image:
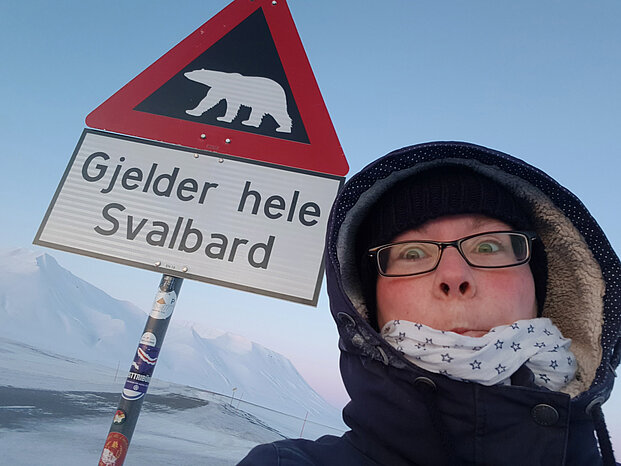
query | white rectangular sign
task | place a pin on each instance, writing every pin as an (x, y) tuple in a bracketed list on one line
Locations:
[(193, 214)]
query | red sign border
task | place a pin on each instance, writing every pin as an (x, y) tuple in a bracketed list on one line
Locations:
[(323, 154)]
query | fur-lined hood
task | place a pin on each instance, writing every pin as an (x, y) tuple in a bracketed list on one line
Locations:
[(583, 295)]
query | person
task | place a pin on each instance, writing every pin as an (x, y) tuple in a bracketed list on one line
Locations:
[(477, 303)]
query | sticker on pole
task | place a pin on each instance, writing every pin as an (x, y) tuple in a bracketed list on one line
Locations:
[(139, 376), (119, 417), (148, 339), (193, 214), (114, 450), (164, 305)]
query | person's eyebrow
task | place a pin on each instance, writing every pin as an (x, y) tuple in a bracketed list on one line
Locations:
[(475, 220), (478, 221)]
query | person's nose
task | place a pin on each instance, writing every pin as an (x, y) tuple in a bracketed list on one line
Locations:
[(453, 276)]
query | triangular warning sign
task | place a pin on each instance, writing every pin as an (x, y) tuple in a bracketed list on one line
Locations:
[(239, 85)]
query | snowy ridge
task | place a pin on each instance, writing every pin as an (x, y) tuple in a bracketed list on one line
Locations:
[(47, 307)]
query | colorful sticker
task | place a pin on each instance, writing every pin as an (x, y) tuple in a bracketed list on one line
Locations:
[(114, 450), (130, 394), (139, 375), (148, 339), (163, 305), (119, 417)]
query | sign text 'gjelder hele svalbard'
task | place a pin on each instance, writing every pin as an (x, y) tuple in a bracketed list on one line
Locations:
[(198, 215)]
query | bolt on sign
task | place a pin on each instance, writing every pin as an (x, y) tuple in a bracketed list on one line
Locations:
[(217, 163)]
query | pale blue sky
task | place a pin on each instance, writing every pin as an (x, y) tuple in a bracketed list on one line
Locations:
[(537, 79)]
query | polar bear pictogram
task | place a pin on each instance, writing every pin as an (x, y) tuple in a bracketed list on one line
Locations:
[(263, 95)]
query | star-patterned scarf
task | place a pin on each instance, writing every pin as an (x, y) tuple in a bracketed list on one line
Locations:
[(492, 358)]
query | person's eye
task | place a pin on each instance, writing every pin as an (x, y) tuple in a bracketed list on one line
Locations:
[(487, 247), (413, 253)]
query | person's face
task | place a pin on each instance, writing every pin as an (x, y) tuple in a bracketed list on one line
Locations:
[(455, 296)]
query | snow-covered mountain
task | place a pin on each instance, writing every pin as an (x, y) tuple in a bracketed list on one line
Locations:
[(47, 307)]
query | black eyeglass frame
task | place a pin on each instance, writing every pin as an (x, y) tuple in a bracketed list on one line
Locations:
[(529, 235)]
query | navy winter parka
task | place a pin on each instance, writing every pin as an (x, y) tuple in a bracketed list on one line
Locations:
[(400, 414)]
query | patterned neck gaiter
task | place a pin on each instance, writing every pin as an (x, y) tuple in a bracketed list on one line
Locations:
[(492, 358)]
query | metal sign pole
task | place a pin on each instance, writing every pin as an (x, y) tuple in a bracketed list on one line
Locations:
[(140, 372)]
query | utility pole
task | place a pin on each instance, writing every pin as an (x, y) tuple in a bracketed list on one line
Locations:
[(140, 372)]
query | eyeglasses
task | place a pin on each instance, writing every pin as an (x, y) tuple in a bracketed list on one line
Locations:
[(490, 250)]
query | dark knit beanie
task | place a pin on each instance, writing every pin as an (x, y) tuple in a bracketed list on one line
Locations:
[(436, 193)]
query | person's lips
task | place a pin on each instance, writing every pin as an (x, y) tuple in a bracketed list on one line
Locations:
[(469, 332)]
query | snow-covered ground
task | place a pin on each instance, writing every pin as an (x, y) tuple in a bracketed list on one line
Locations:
[(65, 349), (56, 410), (47, 307)]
